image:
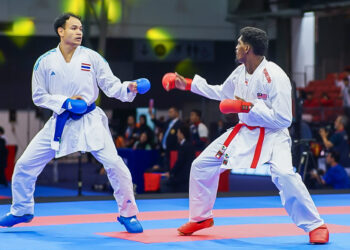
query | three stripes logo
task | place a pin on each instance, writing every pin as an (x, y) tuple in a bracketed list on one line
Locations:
[(85, 66)]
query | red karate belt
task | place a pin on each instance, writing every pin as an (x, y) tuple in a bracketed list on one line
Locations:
[(232, 135)]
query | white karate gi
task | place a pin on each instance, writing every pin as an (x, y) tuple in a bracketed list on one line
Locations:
[(54, 80), (269, 89)]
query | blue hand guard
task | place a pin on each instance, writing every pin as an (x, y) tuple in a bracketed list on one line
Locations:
[(143, 85), (75, 106)]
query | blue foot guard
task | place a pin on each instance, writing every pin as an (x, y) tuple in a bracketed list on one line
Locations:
[(131, 224), (10, 220)]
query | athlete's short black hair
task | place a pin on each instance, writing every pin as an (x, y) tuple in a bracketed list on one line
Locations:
[(60, 21), (256, 38)]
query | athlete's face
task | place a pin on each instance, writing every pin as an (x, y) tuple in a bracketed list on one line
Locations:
[(241, 50), (72, 33)]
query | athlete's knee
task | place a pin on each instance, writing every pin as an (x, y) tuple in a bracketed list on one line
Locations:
[(113, 161), (21, 165), (283, 177), (197, 163), (116, 166)]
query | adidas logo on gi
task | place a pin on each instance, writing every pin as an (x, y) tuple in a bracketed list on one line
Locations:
[(69, 105)]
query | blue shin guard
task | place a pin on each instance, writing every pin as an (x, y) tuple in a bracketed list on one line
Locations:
[(10, 220), (131, 224)]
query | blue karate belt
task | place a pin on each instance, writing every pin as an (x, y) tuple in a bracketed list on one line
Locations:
[(64, 117)]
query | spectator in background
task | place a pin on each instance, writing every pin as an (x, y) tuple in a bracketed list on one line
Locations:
[(161, 165), (345, 89), (339, 77), (338, 141), (345, 94), (199, 132), (336, 176), (178, 177), (144, 128), (325, 100), (221, 128), (217, 129), (310, 101), (143, 143), (3, 158), (169, 128), (130, 135)]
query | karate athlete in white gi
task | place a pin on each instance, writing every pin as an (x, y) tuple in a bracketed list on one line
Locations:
[(63, 78), (262, 93)]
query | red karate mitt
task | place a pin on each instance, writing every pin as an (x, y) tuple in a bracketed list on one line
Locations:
[(168, 82), (235, 106)]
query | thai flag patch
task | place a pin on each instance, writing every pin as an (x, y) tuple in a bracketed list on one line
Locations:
[(85, 66), (261, 96)]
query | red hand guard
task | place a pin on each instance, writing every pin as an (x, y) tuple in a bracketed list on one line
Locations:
[(235, 106), (168, 82)]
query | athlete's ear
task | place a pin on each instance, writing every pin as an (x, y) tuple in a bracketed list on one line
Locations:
[(247, 48), (60, 31)]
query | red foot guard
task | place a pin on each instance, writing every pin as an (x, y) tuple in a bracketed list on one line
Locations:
[(190, 227), (319, 235)]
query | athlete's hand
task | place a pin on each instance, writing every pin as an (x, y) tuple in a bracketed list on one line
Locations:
[(238, 98), (228, 106), (180, 82), (132, 87), (77, 97), (174, 80)]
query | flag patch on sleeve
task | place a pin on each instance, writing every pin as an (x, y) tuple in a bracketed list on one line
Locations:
[(85, 66), (261, 96)]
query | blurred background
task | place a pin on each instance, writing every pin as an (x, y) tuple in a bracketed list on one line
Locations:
[(308, 39)]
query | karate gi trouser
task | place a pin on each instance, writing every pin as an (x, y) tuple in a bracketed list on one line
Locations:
[(204, 179), (39, 153)]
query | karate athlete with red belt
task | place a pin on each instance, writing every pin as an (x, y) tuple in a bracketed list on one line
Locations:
[(260, 92)]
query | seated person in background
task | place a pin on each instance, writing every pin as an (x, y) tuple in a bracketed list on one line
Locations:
[(338, 141), (144, 128), (130, 135), (178, 177), (199, 132), (143, 142), (335, 176), (325, 101), (310, 101)]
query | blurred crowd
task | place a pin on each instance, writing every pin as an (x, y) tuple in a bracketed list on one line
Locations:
[(187, 137), (324, 129)]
